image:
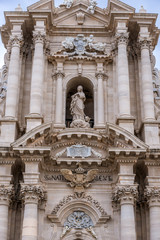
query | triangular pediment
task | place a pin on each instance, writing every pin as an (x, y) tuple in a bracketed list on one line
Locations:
[(41, 5), (69, 17), (118, 6)]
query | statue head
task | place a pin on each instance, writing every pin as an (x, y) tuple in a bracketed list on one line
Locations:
[(80, 88)]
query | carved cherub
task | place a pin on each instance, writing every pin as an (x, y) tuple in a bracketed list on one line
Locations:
[(79, 180)]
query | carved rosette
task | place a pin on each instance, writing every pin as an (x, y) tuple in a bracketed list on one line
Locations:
[(122, 38), (152, 195), (33, 194), (39, 37), (6, 193), (16, 41), (145, 43), (125, 194)]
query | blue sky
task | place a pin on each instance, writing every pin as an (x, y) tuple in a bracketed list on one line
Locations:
[(151, 7)]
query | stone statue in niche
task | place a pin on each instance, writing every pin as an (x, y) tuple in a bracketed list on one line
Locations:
[(77, 110)]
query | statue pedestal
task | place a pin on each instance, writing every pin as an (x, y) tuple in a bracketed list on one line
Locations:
[(78, 123)]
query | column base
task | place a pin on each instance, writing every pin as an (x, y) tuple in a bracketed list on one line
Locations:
[(126, 123), (150, 133), (9, 130), (33, 121)]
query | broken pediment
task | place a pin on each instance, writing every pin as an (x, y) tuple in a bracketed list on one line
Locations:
[(116, 5), (42, 5)]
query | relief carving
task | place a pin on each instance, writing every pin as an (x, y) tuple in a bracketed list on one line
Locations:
[(79, 180)]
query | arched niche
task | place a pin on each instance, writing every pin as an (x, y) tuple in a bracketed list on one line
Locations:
[(89, 103)]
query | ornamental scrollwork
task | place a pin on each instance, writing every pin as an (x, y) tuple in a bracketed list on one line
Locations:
[(127, 193), (30, 193)]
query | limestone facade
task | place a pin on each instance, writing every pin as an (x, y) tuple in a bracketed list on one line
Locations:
[(98, 178)]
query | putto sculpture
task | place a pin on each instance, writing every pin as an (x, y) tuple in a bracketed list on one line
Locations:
[(92, 6), (68, 3), (77, 110)]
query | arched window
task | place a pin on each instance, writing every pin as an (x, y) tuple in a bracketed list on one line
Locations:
[(89, 103)]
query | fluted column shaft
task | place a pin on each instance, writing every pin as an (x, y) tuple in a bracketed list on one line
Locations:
[(100, 99), (123, 76), (37, 74), (147, 87), (153, 196), (59, 97), (31, 196), (13, 77), (4, 205)]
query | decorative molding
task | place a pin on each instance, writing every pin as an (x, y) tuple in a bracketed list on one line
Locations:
[(32, 158), (58, 74), (33, 194)]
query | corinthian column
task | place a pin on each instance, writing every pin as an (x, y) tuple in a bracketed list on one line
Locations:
[(59, 98), (5, 193), (32, 196), (35, 117), (126, 196), (13, 77), (123, 75), (153, 196), (100, 99), (147, 86)]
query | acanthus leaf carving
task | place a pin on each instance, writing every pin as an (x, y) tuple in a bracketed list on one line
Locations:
[(126, 193), (33, 193)]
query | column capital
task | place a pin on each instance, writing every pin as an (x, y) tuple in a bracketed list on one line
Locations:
[(16, 40), (145, 42), (152, 195), (101, 75), (33, 194), (58, 74), (5, 194), (122, 38), (125, 194), (39, 37)]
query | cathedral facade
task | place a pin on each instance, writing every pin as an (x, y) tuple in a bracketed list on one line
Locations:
[(79, 123)]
